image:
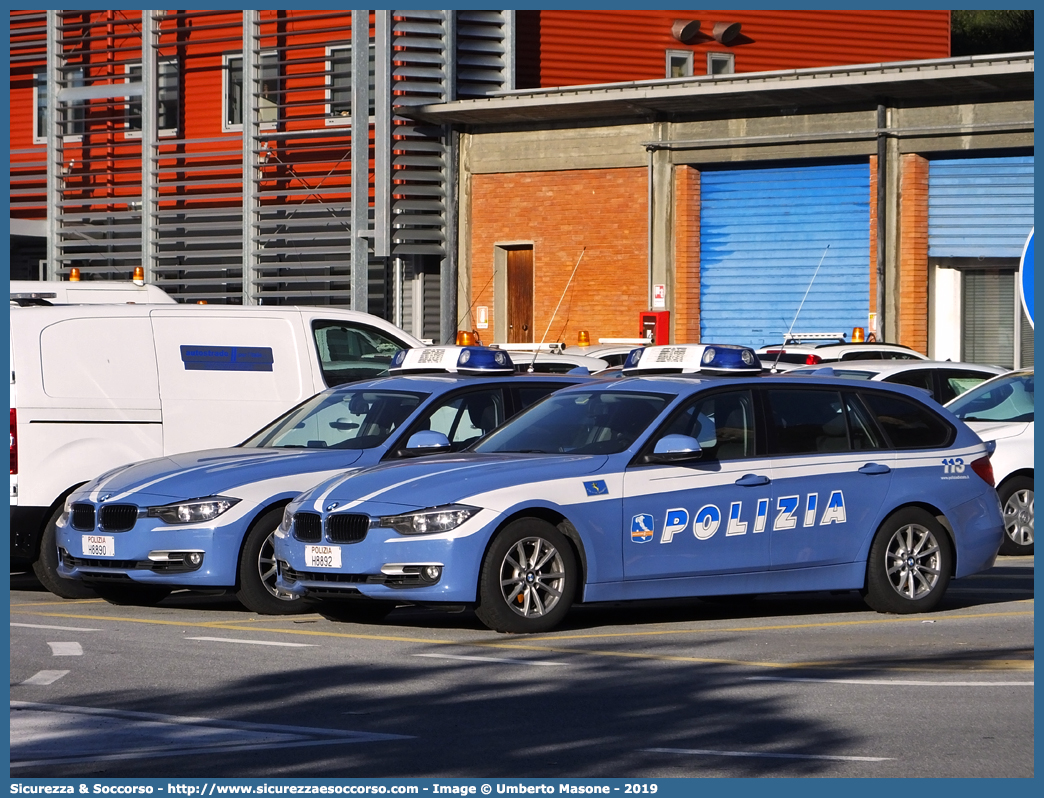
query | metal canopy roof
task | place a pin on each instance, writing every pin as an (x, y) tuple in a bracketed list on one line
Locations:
[(966, 79)]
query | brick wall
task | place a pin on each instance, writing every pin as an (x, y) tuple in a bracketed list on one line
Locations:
[(686, 322), (912, 298), (560, 213)]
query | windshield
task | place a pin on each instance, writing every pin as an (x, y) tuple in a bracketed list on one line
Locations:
[(578, 422), (359, 419), (1008, 399)]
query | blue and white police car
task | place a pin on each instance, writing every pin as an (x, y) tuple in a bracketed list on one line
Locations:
[(660, 485), (205, 519)]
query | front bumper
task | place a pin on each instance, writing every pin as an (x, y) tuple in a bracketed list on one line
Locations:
[(156, 553), (386, 565)]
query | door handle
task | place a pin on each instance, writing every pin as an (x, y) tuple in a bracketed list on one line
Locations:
[(874, 468), (752, 480)]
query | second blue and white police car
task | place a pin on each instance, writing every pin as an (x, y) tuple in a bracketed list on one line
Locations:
[(205, 519), (661, 486)]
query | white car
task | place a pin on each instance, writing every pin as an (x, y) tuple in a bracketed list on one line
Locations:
[(943, 380), (613, 354), (1001, 410), (552, 363), (784, 357)]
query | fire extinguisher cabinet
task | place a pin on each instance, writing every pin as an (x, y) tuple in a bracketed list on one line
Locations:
[(657, 323)]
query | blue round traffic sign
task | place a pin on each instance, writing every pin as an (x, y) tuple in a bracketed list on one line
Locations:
[(1026, 278)]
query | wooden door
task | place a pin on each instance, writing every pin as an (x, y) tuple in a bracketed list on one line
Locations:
[(520, 295)]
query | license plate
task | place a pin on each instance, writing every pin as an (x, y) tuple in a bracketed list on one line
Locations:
[(323, 556), (99, 546)]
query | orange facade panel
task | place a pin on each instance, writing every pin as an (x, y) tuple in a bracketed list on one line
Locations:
[(201, 159), (575, 47)]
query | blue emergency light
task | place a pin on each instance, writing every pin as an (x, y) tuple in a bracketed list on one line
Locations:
[(728, 358), (484, 360)]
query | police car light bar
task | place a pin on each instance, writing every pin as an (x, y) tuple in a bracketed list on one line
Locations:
[(451, 360), (554, 348), (796, 338), (693, 359)]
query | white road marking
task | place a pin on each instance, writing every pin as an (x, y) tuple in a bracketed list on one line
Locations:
[(254, 642), (890, 682), (66, 649), (998, 590), (40, 734), (490, 659), (769, 754), (59, 628), (45, 677)]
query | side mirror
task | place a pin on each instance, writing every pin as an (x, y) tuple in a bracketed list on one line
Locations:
[(675, 449), (426, 442)]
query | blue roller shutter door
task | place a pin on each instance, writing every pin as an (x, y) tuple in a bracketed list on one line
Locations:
[(762, 234), (979, 207), (982, 209)]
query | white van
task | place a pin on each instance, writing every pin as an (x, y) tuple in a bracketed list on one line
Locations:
[(56, 292), (98, 386)]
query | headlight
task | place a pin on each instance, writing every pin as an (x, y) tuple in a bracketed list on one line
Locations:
[(283, 530), (63, 519), (192, 512), (430, 521)]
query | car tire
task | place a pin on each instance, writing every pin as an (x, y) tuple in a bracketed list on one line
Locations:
[(528, 578), (909, 565), (257, 572), (131, 595), (1016, 497), (355, 610), (46, 565)]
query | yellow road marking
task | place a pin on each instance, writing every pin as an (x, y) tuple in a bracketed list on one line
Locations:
[(538, 643)]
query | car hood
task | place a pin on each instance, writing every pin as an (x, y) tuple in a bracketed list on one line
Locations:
[(215, 471), (998, 430), (433, 481)]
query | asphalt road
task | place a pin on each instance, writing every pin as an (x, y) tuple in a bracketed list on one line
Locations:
[(810, 685)]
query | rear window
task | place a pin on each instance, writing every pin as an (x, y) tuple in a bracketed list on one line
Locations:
[(908, 424)]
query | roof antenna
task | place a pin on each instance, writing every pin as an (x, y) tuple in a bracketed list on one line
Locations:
[(786, 338), (537, 350)]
